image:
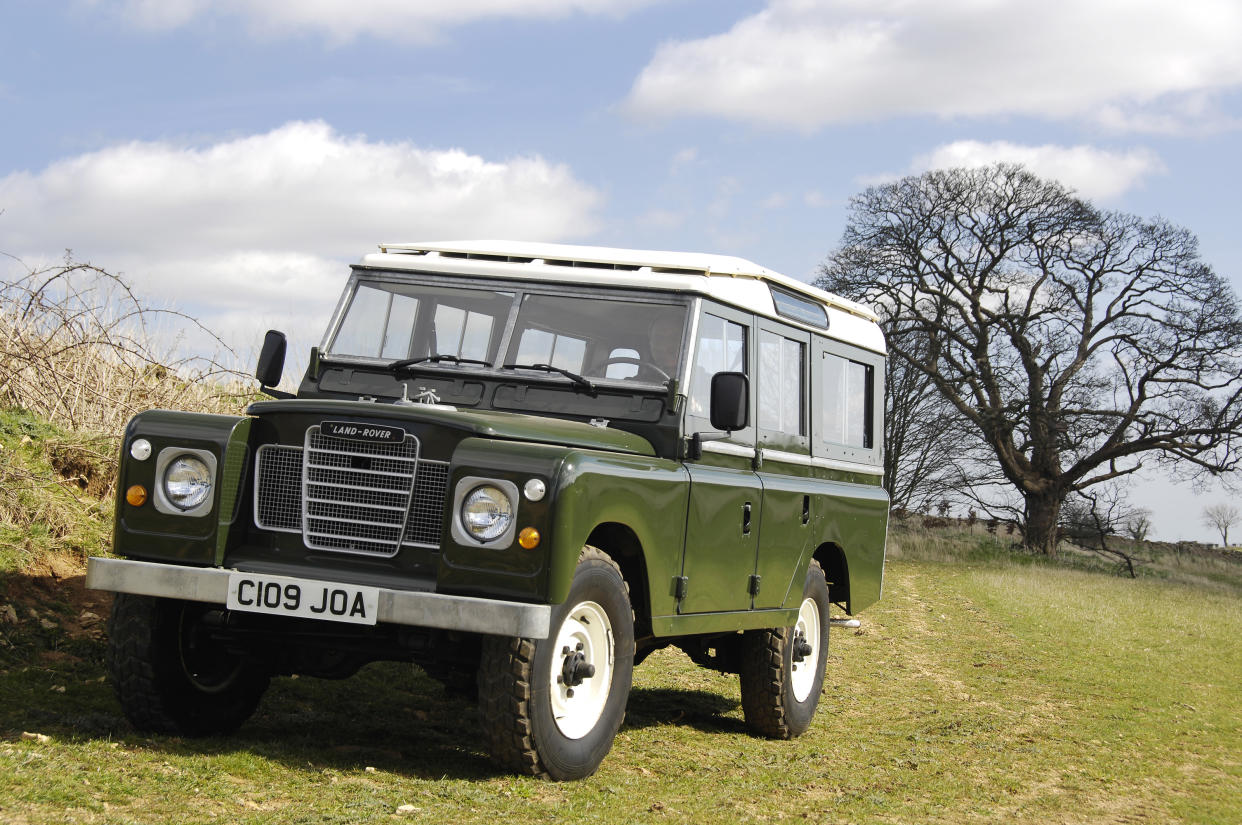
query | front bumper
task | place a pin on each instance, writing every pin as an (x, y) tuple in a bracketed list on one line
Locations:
[(210, 584)]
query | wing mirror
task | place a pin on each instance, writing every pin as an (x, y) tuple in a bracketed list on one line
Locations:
[(730, 402), (730, 410), (272, 363)]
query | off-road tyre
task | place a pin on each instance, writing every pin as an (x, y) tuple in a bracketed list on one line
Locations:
[(519, 691), (773, 705), (170, 677)]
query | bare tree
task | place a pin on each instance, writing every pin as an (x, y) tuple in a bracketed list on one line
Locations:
[(1221, 517), (1095, 517), (923, 433), (1138, 525), (1077, 343)]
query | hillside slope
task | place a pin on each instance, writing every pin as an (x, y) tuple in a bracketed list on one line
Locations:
[(978, 689)]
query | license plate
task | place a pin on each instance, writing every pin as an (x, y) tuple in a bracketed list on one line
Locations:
[(304, 598)]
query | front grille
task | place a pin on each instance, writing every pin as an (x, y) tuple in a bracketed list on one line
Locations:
[(278, 488), (355, 494), (430, 486), (351, 496)]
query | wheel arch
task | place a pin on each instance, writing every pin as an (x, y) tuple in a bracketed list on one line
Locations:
[(621, 543), (832, 558)]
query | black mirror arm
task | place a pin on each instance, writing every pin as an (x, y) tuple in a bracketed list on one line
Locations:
[(271, 392), (694, 449)]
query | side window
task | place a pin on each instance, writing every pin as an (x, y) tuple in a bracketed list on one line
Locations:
[(721, 348), (847, 403), (462, 332), (622, 369), (542, 347), (781, 362)]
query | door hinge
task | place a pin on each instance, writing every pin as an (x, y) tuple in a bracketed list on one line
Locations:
[(679, 587), (753, 587)]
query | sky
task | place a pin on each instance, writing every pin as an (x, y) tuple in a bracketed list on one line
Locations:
[(232, 157)]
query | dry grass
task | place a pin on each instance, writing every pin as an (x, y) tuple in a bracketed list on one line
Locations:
[(79, 349), (80, 354)]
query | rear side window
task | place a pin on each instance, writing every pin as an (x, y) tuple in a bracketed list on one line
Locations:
[(780, 383), (847, 403)]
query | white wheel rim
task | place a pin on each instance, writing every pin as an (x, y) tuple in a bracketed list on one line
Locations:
[(576, 708), (802, 679)]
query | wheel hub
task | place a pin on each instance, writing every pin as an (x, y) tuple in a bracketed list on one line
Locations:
[(801, 648), (576, 667), (806, 648), (581, 671)]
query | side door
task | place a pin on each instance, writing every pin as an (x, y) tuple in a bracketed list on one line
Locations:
[(726, 505), (785, 472)]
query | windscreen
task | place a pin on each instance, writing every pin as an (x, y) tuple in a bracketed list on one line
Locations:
[(600, 338), (395, 321)]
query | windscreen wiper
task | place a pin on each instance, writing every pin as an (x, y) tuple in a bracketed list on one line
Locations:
[(406, 363), (578, 380)]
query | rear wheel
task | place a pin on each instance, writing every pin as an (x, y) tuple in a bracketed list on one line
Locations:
[(171, 676), (782, 670), (551, 707)]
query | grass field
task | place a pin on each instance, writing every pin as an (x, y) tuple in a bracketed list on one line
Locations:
[(978, 690)]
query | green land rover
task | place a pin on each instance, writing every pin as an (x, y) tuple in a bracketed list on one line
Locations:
[(523, 467)]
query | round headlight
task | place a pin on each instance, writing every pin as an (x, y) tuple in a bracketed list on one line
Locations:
[(187, 482), (486, 512)]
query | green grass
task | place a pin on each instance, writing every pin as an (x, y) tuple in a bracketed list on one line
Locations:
[(978, 690), (53, 492)]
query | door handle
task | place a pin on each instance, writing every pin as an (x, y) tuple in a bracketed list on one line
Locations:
[(746, 519), (806, 509)]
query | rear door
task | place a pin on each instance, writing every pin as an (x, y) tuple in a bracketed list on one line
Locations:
[(782, 419)]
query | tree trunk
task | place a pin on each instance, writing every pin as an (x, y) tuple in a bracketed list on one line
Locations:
[(1042, 531)]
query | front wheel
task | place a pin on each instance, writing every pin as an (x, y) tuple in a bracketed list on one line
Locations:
[(171, 676), (782, 669), (551, 707)]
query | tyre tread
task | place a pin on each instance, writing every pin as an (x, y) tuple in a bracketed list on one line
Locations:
[(763, 678), (129, 663), (506, 672), (152, 697)]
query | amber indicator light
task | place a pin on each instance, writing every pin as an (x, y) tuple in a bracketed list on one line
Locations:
[(529, 538), (136, 495)]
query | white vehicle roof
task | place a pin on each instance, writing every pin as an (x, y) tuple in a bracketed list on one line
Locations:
[(734, 281)]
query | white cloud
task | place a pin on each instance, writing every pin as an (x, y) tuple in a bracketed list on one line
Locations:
[(685, 157), (263, 226), (816, 199), (806, 63), (402, 20), (1094, 173)]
